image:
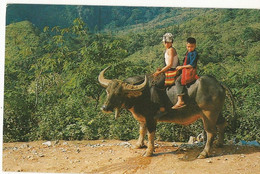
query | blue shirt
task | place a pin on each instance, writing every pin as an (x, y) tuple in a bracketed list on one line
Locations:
[(192, 58)]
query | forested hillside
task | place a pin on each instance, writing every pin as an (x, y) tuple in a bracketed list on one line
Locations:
[(96, 17), (51, 87)]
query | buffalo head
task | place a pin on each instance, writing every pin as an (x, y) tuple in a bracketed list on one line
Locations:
[(117, 92)]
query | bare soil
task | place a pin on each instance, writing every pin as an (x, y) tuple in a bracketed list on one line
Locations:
[(113, 156)]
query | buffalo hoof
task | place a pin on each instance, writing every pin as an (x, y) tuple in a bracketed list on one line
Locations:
[(139, 146), (148, 154), (202, 155)]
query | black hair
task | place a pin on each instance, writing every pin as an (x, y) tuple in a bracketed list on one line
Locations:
[(191, 40)]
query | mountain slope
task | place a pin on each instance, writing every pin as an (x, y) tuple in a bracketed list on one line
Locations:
[(96, 17)]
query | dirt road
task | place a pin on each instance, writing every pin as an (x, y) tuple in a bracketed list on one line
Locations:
[(112, 156)]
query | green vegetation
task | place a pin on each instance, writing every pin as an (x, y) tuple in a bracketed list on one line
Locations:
[(51, 88), (96, 17)]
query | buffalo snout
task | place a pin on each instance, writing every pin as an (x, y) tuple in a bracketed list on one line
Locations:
[(105, 108)]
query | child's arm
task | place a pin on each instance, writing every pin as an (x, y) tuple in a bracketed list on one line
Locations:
[(183, 66), (192, 59), (172, 53)]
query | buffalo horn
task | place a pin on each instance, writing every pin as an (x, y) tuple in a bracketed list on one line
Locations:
[(117, 113), (129, 87), (104, 82)]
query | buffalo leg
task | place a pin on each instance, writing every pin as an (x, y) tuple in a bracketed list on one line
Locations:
[(209, 122), (151, 126), (221, 124), (142, 133), (150, 145), (206, 150)]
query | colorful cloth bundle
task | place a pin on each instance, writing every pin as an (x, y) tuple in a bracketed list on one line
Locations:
[(170, 77)]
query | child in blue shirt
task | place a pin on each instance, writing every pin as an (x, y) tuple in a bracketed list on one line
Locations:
[(189, 73)]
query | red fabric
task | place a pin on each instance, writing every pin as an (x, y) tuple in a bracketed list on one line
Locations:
[(188, 74)]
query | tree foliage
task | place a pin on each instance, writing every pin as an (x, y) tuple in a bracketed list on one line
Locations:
[(97, 17)]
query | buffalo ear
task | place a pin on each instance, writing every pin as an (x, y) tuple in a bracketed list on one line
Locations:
[(132, 94)]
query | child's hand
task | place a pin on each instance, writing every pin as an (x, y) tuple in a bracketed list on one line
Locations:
[(156, 73), (179, 68)]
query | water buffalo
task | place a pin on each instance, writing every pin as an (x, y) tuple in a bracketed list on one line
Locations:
[(205, 100)]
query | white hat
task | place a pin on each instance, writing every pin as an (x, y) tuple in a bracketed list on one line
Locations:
[(167, 37)]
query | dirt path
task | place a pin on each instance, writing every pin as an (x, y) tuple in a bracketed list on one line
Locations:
[(112, 156)]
